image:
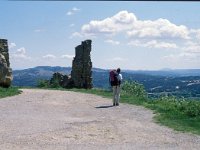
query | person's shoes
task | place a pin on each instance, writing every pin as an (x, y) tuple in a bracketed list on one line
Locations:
[(114, 104), (117, 104)]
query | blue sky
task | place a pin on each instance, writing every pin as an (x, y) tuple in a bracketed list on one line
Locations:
[(129, 35)]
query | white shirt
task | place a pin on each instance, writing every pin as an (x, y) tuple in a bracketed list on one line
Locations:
[(120, 77)]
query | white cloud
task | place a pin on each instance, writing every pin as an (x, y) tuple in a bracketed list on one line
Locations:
[(189, 52), (21, 50), (80, 35), (117, 59), (119, 22), (39, 30), (67, 56), (153, 44), (73, 11), (72, 25), (69, 13), (191, 47), (20, 54), (184, 56), (76, 34), (160, 28), (128, 23), (12, 45), (49, 56), (196, 33), (112, 42)]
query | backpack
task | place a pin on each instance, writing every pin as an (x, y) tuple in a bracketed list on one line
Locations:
[(114, 81)]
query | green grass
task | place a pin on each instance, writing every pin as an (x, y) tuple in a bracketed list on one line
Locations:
[(11, 91), (179, 115)]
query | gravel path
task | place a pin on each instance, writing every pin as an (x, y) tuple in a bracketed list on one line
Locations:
[(58, 120)]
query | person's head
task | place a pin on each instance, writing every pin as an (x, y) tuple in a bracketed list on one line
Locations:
[(118, 70)]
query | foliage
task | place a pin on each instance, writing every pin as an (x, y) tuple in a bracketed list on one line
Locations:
[(55, 84), (191, 108), (11, 91), (47, 84), (43, 83), (132, 88)]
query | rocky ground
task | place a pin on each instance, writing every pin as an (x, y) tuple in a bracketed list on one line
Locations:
[(56, 120)]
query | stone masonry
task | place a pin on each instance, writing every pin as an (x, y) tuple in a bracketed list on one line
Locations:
[(5, 70), (81, 73)]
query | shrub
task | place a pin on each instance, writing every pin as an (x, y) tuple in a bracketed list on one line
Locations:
[(193, 108), (43, 83), (131, 88), (55, 83), (190, 108)]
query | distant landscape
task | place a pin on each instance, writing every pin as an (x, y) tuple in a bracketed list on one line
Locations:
[(179, 83)]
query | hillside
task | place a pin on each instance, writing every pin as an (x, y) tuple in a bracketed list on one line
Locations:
[(168, 82)]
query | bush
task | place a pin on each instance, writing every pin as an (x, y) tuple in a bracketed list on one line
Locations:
[(190, 108), (48, 84), (131, 88), (43, 83), (55, 83)]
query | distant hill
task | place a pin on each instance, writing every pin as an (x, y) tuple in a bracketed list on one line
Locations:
[(168, 72), (29, 77), (164, 82)]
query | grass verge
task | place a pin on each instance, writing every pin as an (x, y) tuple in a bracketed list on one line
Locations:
[(11, 91)]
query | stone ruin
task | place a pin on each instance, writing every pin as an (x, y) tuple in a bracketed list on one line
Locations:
[(81, 66), (81, 74), (5, 70)]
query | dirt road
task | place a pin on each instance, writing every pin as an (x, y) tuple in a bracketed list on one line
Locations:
[(58, 120)]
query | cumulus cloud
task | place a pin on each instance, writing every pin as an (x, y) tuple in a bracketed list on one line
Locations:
[(196, 33), (12, 45), (49, 56), (112, 42), (20, 54), (73, 11), (67, 56), (152, 44), (160, 28), (128, 23), (119, 22), (191, 47)]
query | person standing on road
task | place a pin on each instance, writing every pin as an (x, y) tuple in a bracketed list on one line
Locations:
[(115, 81)]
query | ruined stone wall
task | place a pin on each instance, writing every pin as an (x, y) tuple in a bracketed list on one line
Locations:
[(82, 66), (81, 74), (5, 70)]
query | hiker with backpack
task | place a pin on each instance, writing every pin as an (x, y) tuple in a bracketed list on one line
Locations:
[(115, 82)]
